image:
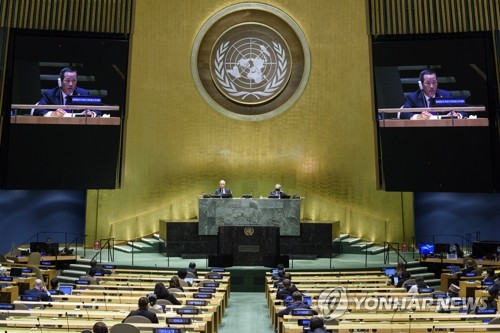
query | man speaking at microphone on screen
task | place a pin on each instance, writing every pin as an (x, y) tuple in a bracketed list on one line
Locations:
[(423, 97), (67, 81)]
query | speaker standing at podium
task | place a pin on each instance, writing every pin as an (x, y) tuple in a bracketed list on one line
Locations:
[(422, 98), (58, 96)]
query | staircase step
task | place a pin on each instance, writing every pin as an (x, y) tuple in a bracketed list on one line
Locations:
[(143, 247), (84, 261), (353, 245), (363, 245), (126, 249), (376, 250), (416, 269), (66, 279), (434, 283), (151, 241), (81, 267), (73, 273), (426, 275), (414, 263), (351, 240)]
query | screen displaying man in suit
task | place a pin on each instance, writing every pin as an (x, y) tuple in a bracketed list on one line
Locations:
[(223, 190), (422, 98), (67, 81)]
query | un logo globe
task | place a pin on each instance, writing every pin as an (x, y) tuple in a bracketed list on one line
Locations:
[(250, 61), (251, 66)]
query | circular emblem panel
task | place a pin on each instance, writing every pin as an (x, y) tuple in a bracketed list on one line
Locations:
[(250, 61), (250, 64), (248, 231)]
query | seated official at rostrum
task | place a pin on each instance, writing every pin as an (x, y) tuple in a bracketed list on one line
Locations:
[(423, 97), (59, 95)]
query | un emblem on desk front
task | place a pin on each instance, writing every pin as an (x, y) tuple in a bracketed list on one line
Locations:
[(250, 61), (248, 231)]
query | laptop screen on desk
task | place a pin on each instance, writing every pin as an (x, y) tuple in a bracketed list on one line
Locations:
[(66, 289), (307, 300), (16, 272)]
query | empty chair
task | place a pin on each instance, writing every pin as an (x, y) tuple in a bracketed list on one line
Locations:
[(34, 258), (124, 328), (37, 272), (176, 292), (86, 331), (137, 319)]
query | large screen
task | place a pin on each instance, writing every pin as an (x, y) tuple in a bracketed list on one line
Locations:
[(447, 152), (71, 153)]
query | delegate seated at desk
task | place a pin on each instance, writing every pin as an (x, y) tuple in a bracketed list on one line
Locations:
[(278, 192), (39, 290), (67, 81), (423, 97), (223, 190)]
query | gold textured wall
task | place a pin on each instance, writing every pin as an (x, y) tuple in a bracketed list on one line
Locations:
[(177, 147)]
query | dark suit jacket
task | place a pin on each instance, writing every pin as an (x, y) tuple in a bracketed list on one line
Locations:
[(219, 191), (279, 193), (193, 270), (418, 100), (54, 97), (145, 313), (37, 292), (294, 305), (169, 297)]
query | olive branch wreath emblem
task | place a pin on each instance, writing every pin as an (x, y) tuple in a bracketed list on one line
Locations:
[(232, 90)]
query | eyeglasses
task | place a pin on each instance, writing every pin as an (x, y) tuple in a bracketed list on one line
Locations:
[(430, 83)]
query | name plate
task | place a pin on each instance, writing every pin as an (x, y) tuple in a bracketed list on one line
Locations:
[(249, 248)]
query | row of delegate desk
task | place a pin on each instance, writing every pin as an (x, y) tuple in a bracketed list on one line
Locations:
[(372, 284), (11, 287), (468, 284), (112, 299)]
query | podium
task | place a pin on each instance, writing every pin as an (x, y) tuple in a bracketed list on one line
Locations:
[(250, 245), (215, 213)]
